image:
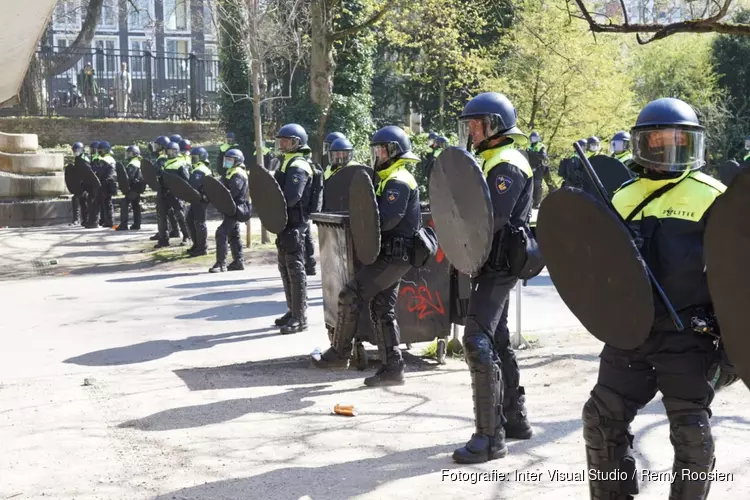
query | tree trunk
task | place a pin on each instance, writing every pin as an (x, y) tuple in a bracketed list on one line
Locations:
[(322, 65), (442, 96), (63, 61), (32, 88)]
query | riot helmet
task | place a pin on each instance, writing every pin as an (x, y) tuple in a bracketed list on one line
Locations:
[(77, 149), (620, 142), (432, 138), (104, 148), (132, 151), (175, 138), (93, 147), (442, 142), (667, 137), (329, 140), (341, 153), (593, 144), (388, 145), (486, 117), (185, 146), (199, 154), (290, 138), (535, 137), (159, 144), (233, 158), (173, 150), (230, 137)]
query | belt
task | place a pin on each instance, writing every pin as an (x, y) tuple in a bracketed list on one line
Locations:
[(399, 248)]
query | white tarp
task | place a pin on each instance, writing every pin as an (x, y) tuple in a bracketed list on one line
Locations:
[(21, 24)]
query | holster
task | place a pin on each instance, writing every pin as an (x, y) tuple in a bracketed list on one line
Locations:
[(397, 248)]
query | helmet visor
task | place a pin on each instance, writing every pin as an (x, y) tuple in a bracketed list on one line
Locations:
[(669, 149), (77, 151), (594, 146), (173, 153), (286, 144), (340, 157), (619, 146), (381, 153)]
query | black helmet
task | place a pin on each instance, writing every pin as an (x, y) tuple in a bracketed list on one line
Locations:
[(499, 117), (77, 148), (667, 137), (341, 152), (173, 150), (175, 138), (236, 157), (93, 147), (442, 141), (133, 151), (161, 142), (535, 137), (104, 146), (388, 145), (593, 144), (185, 145), (620, 142), (199, 152), (582, 143), (432, 138), (291, 131)]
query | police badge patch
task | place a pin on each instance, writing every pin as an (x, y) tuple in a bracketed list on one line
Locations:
[(391, 195), (296, 178), (503, 184)]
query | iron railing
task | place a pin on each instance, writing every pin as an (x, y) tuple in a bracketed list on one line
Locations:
[(165, 86)]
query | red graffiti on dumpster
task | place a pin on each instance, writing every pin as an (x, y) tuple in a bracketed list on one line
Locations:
[(420, 300), (440, 255)]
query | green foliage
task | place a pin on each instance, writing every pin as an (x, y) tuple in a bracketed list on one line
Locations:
[(236, 109)]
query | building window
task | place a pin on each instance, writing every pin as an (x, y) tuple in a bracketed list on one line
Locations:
[(140, 14), (177, 15), (106, 57), (176, 57), (59, 45), (138, 47), (109, 15), (67, 15), (209, 28), (210, 67)]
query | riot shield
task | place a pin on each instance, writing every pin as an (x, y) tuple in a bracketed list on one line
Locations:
[(728, 171), (461, 209), (87, 176), (122, 178), (149, 174), (267, 198), (364, 218), (219, 196), (336, 190), (727, 246), (596, 268), (72, 181), (611, 172), (181, 188)]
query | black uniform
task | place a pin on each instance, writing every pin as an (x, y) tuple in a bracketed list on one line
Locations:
[(310, 261), (196, 215), (673, 362), (172, 226), (235, 180), (105, 171), (80, 202), (166, 200), (377, 285), (294, 178), (539, 163), (495, 376), (133, 198), (220, 157)]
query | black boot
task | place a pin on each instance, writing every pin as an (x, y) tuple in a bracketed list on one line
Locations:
[(236, 265), (391, 372), (283, 320), (337, 356), (607, 460), (162, 244), (514, 409), (218, 268), (122, 227), (294, 325), (155, 237), (136, 215), (76, 211), (330, 359), (488, 442), (684, 487), (298, 295), (310, 267), (238, 262)]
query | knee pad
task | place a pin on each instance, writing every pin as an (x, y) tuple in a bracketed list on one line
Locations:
[(478, 350), (691, 437)]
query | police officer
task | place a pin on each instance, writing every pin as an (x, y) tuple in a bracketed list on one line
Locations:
[(158, 149), (137, 186), (329, 140), (377, 285), (593, 146), (294, 177), (185, 147), (108, 179), (235, 180), (196, 215), (228, 144), (436, 144), (571, 169), (176, 138), (488, 126), (539, 162), (175, 165), (80, 210), (668, 151), (92, 207), (620, 147), (340, 155)]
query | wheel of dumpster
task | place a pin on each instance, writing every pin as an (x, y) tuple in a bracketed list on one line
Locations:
[(360, 356), (441, 350), (330, 333)]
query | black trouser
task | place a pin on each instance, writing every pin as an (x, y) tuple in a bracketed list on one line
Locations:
[(164, 201), (127, 203), (375, 285), (228, 231), (80, 208), (537, 195), (492, 362), (675, 363), (196, 224), (290, 245), (309, 248)]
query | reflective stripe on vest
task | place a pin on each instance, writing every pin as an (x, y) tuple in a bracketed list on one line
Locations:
[(505, 154), (224, 147), (108, 159), (201, 167), (397, 172), (236, 170), (291, 159), (135, 162), (174, 164)]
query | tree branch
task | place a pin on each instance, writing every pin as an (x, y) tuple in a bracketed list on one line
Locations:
[(376, 17), (63, 61)]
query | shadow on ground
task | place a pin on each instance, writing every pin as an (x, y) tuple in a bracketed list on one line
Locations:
[(256, 309), (212, 284), (157, 349)]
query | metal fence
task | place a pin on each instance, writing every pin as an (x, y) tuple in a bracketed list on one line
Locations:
[(165, 86)]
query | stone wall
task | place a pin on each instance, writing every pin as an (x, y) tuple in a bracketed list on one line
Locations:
[(54, 131)]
